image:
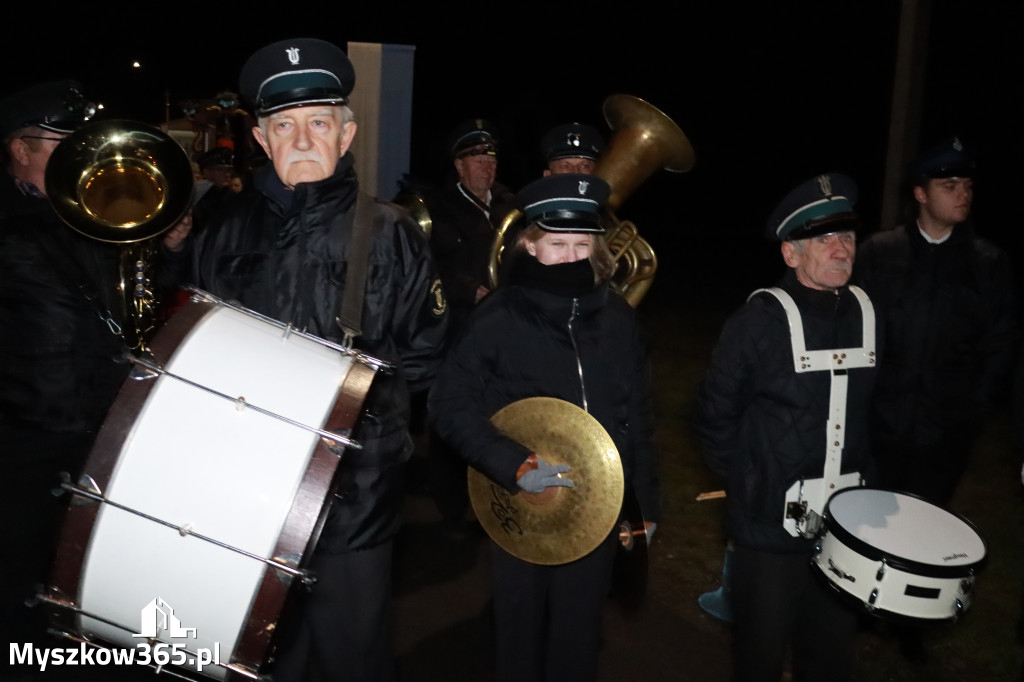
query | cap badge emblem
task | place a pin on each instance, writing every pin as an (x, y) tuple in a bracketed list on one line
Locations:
[(584, 184), (825, 185), (293, 55), (956, 144), (574, 139)]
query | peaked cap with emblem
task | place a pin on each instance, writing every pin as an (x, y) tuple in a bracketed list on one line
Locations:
[(296, 73), (573, 140), (473, 137), (57, 106), (570, 202), (822, 205), (949, 159)]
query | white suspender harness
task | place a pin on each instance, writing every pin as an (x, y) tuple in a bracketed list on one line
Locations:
[(806, 499)]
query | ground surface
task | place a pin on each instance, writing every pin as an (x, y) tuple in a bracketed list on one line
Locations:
[(442, 590)]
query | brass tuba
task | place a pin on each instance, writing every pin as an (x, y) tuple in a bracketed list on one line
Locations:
[(644, 140), (125, 183)]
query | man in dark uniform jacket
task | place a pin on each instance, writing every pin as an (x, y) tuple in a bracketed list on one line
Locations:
[(285, 247), (61, 359), (767, 423), (946, 297), (465, 214)]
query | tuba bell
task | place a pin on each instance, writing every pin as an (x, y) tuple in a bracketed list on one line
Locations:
[(644, 140), (125, 183)]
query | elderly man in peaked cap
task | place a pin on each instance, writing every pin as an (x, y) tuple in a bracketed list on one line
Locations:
[(766, 423), (289, 248), (466, 212)]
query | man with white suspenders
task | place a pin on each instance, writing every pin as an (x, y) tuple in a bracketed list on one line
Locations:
[(783, 416)]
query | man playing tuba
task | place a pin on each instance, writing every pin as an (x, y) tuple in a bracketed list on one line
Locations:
[(61, 358)]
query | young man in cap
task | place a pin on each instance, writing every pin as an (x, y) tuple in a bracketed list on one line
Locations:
[(571, 148), (945, 295), (61, 361), (766, 423), (286, 247)]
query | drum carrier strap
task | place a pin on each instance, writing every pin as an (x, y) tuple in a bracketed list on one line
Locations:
[(806, 499), (350, 318)]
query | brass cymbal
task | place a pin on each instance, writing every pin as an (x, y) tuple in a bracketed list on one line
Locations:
[(561, 524)]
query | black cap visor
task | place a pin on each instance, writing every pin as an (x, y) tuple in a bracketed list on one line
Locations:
[(837, 222)]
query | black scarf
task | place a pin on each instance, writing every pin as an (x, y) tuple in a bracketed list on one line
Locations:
[(562, 279)]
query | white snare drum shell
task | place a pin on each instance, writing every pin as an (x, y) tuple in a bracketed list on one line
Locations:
[(897, 554)]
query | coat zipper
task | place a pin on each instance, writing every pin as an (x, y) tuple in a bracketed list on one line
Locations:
[(576, 349)]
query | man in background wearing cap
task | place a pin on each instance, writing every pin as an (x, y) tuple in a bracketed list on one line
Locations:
[(61, 360), (288, 247), (465, 214), (571, 148), (945, 295), (765, 425)]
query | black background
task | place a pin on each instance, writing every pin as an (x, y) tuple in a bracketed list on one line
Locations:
[(768, 93)]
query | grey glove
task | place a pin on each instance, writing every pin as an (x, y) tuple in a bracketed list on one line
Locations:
[(544, 476)]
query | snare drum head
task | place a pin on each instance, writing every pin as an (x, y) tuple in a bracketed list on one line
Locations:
[(905, 530)]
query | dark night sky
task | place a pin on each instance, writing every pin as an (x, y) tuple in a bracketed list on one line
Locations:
[(769, 94)]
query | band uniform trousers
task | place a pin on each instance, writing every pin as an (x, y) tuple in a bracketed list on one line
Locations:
[(548, 618), (777, 599), (345, 622)]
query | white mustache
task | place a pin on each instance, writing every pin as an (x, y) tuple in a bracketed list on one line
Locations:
[(296, 156)]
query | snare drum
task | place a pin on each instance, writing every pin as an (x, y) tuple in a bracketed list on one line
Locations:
[(208, 484), (899, 555)]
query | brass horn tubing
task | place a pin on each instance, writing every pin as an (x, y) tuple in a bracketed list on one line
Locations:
[(629, 233), (498, 246), (641, 260)]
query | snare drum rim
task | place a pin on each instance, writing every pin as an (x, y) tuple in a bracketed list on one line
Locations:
[(897, 562), (857, 603)]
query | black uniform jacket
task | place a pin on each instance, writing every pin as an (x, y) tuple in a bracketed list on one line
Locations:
[(521, 343), (284, 253), (461, 237), (60, 364), (762, 425), (949, 316)]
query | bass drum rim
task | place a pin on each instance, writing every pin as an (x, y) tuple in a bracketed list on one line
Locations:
[(300, 531)]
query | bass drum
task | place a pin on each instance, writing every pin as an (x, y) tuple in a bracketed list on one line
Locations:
[(205, 491), (899, 555)]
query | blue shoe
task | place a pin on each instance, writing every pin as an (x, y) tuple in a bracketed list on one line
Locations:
[(716, 604)]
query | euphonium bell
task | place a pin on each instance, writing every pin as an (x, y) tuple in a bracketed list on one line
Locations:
[(119, 181), (126, 183)]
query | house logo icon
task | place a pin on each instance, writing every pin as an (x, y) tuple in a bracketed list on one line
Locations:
[(158, 616)]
